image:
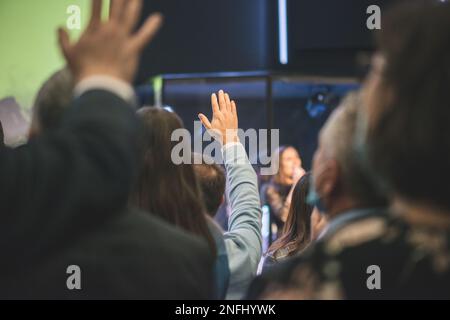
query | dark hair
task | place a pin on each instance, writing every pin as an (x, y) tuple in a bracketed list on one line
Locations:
[(297, 229), (2, 136), (211, 178), (163, 188), (53, 97), (409, 142), (276, 162)]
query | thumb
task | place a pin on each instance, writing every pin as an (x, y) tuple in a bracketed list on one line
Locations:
[(64, 42), (205, 121)]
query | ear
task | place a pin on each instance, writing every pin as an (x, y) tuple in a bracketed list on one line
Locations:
[(223, 200), (330, 178), (34, 129)]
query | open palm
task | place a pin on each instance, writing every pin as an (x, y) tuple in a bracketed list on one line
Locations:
[(224, 124)]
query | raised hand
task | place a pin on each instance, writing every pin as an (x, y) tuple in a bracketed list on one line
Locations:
[(224, 124), (111, 47)]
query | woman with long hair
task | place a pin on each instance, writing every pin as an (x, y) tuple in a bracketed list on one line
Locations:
[(163, 188), (297, 231), (276, 193)]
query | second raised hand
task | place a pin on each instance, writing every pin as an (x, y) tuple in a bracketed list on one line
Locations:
[(111, 47), (224, 124)]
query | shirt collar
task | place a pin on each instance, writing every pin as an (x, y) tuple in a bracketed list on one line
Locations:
[(345, 218)]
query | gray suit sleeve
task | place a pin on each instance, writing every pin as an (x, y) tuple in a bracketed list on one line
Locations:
[(243, 240)]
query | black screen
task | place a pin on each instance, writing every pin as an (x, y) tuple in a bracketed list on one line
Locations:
[(207, 36)]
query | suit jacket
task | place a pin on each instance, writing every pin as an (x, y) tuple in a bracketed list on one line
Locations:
[(63, 200)]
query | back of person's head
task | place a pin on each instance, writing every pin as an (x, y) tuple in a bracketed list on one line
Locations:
[(53, 97), (162, 187), (211, 178), (336, 168), (407, 97), (296, 233)]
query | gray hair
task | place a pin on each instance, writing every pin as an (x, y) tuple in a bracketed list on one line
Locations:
[(53, 97), (337, 137)]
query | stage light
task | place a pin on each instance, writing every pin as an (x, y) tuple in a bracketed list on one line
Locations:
[(283, 32), (168, 108), (317, 105)]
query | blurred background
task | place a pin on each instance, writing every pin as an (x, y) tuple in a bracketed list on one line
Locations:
[(205, 45), (287, 63)]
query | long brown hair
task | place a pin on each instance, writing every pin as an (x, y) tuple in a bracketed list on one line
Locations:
[(163, 188), (297, 229)]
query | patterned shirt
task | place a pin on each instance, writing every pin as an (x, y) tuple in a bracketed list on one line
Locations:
[(374, 256)]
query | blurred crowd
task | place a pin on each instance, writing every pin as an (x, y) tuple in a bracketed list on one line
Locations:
[(95, 185)]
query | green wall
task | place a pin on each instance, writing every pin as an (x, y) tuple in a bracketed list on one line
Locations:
[(28, 43)]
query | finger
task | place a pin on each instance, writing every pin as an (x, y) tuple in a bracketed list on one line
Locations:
[(132, 14), (228, 102), (146, 32), (64, 42), (96, 13), (222, 103), (205, 121), (233, 108), (116, 10), (215, 104)]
